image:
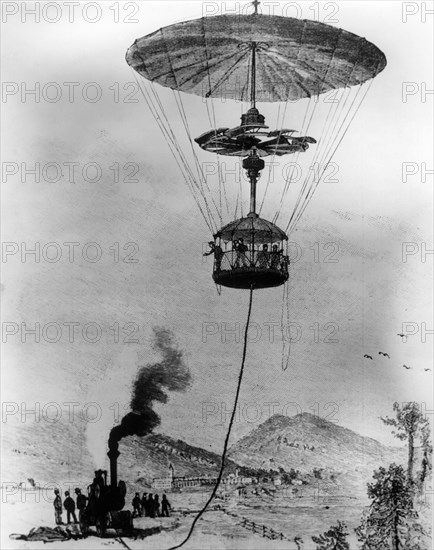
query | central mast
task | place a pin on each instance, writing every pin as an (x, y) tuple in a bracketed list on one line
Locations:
[(253, 164)]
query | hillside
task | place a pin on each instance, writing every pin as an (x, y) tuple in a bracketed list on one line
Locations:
[(55, 453), (306, 442)]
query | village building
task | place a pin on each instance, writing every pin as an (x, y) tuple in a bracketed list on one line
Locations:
[(171, 482)]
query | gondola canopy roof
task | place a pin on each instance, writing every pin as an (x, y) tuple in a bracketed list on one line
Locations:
[(252, 229)]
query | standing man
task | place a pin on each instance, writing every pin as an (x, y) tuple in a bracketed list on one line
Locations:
[(81, 503), (218, 254), (165, 507), (137, 505), (144, 509), (157, 506), (150, 507), (57, 507), (69, 505)]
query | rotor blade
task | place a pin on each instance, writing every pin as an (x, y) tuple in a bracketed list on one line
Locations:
[(280, 132)]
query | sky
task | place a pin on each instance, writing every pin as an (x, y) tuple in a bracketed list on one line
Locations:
[(121, 190)]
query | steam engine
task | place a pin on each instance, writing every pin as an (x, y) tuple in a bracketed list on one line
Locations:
[(105, 501)]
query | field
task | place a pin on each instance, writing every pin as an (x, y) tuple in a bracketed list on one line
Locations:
[(218, 529)]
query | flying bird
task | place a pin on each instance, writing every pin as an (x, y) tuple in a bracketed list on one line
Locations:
[(367, 357), (401, 335), (426, 370), (385, 354), (405, 366)]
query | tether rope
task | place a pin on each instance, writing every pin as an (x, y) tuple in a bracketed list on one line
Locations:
[(231, 422)]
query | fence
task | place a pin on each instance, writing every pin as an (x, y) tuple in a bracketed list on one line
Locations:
[(258, 529)]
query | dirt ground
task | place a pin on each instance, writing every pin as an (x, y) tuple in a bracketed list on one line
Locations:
[(216, 530)]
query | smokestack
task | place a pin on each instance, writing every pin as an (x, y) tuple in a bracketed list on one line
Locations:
[(171, 373), (113, 456)]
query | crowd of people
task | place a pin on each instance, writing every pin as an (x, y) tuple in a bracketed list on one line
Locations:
[(69, 505), (149, 505)]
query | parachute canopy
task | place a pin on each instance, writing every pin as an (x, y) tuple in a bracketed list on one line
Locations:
[(295, 58)]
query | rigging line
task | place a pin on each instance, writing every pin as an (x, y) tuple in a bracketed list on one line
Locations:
[(285, 301), (219, 167), (236, 205), (184, 160), (337, 145), (187, 129), (231, 422), (334, 139), (347, 114), (166, 134), (289, 177), (323, 139), (172, 148), (219, 164), (217, 156), (308, 176), (314, 183), (170, 131), (207, 108), (198, 166), (182, 157), (240, 172), (333, 135), (272, 161), (303, 131), (274, 152)]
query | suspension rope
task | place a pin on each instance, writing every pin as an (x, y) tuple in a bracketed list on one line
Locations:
[(274, 152), (213, 124), (290, 173), (337, 141), (168, 129), (324, 132), (174, 148), (231, 422), (295, 217), (285, 302), (201, 175)]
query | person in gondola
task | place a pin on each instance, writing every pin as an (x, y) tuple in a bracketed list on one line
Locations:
[(284, 264), (218, 254), (263, 257), (275, 257), (241, 260)]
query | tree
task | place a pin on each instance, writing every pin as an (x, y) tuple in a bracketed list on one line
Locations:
[(390, 522), (410, 424), (333, 539), (426, 458)]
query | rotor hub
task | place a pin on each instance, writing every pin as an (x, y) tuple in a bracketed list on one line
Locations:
[(252, 117), (253, 164)]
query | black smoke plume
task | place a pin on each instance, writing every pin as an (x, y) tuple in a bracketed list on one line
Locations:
[(152, 380)]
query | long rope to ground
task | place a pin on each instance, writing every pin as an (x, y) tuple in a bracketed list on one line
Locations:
[(231, 421)]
